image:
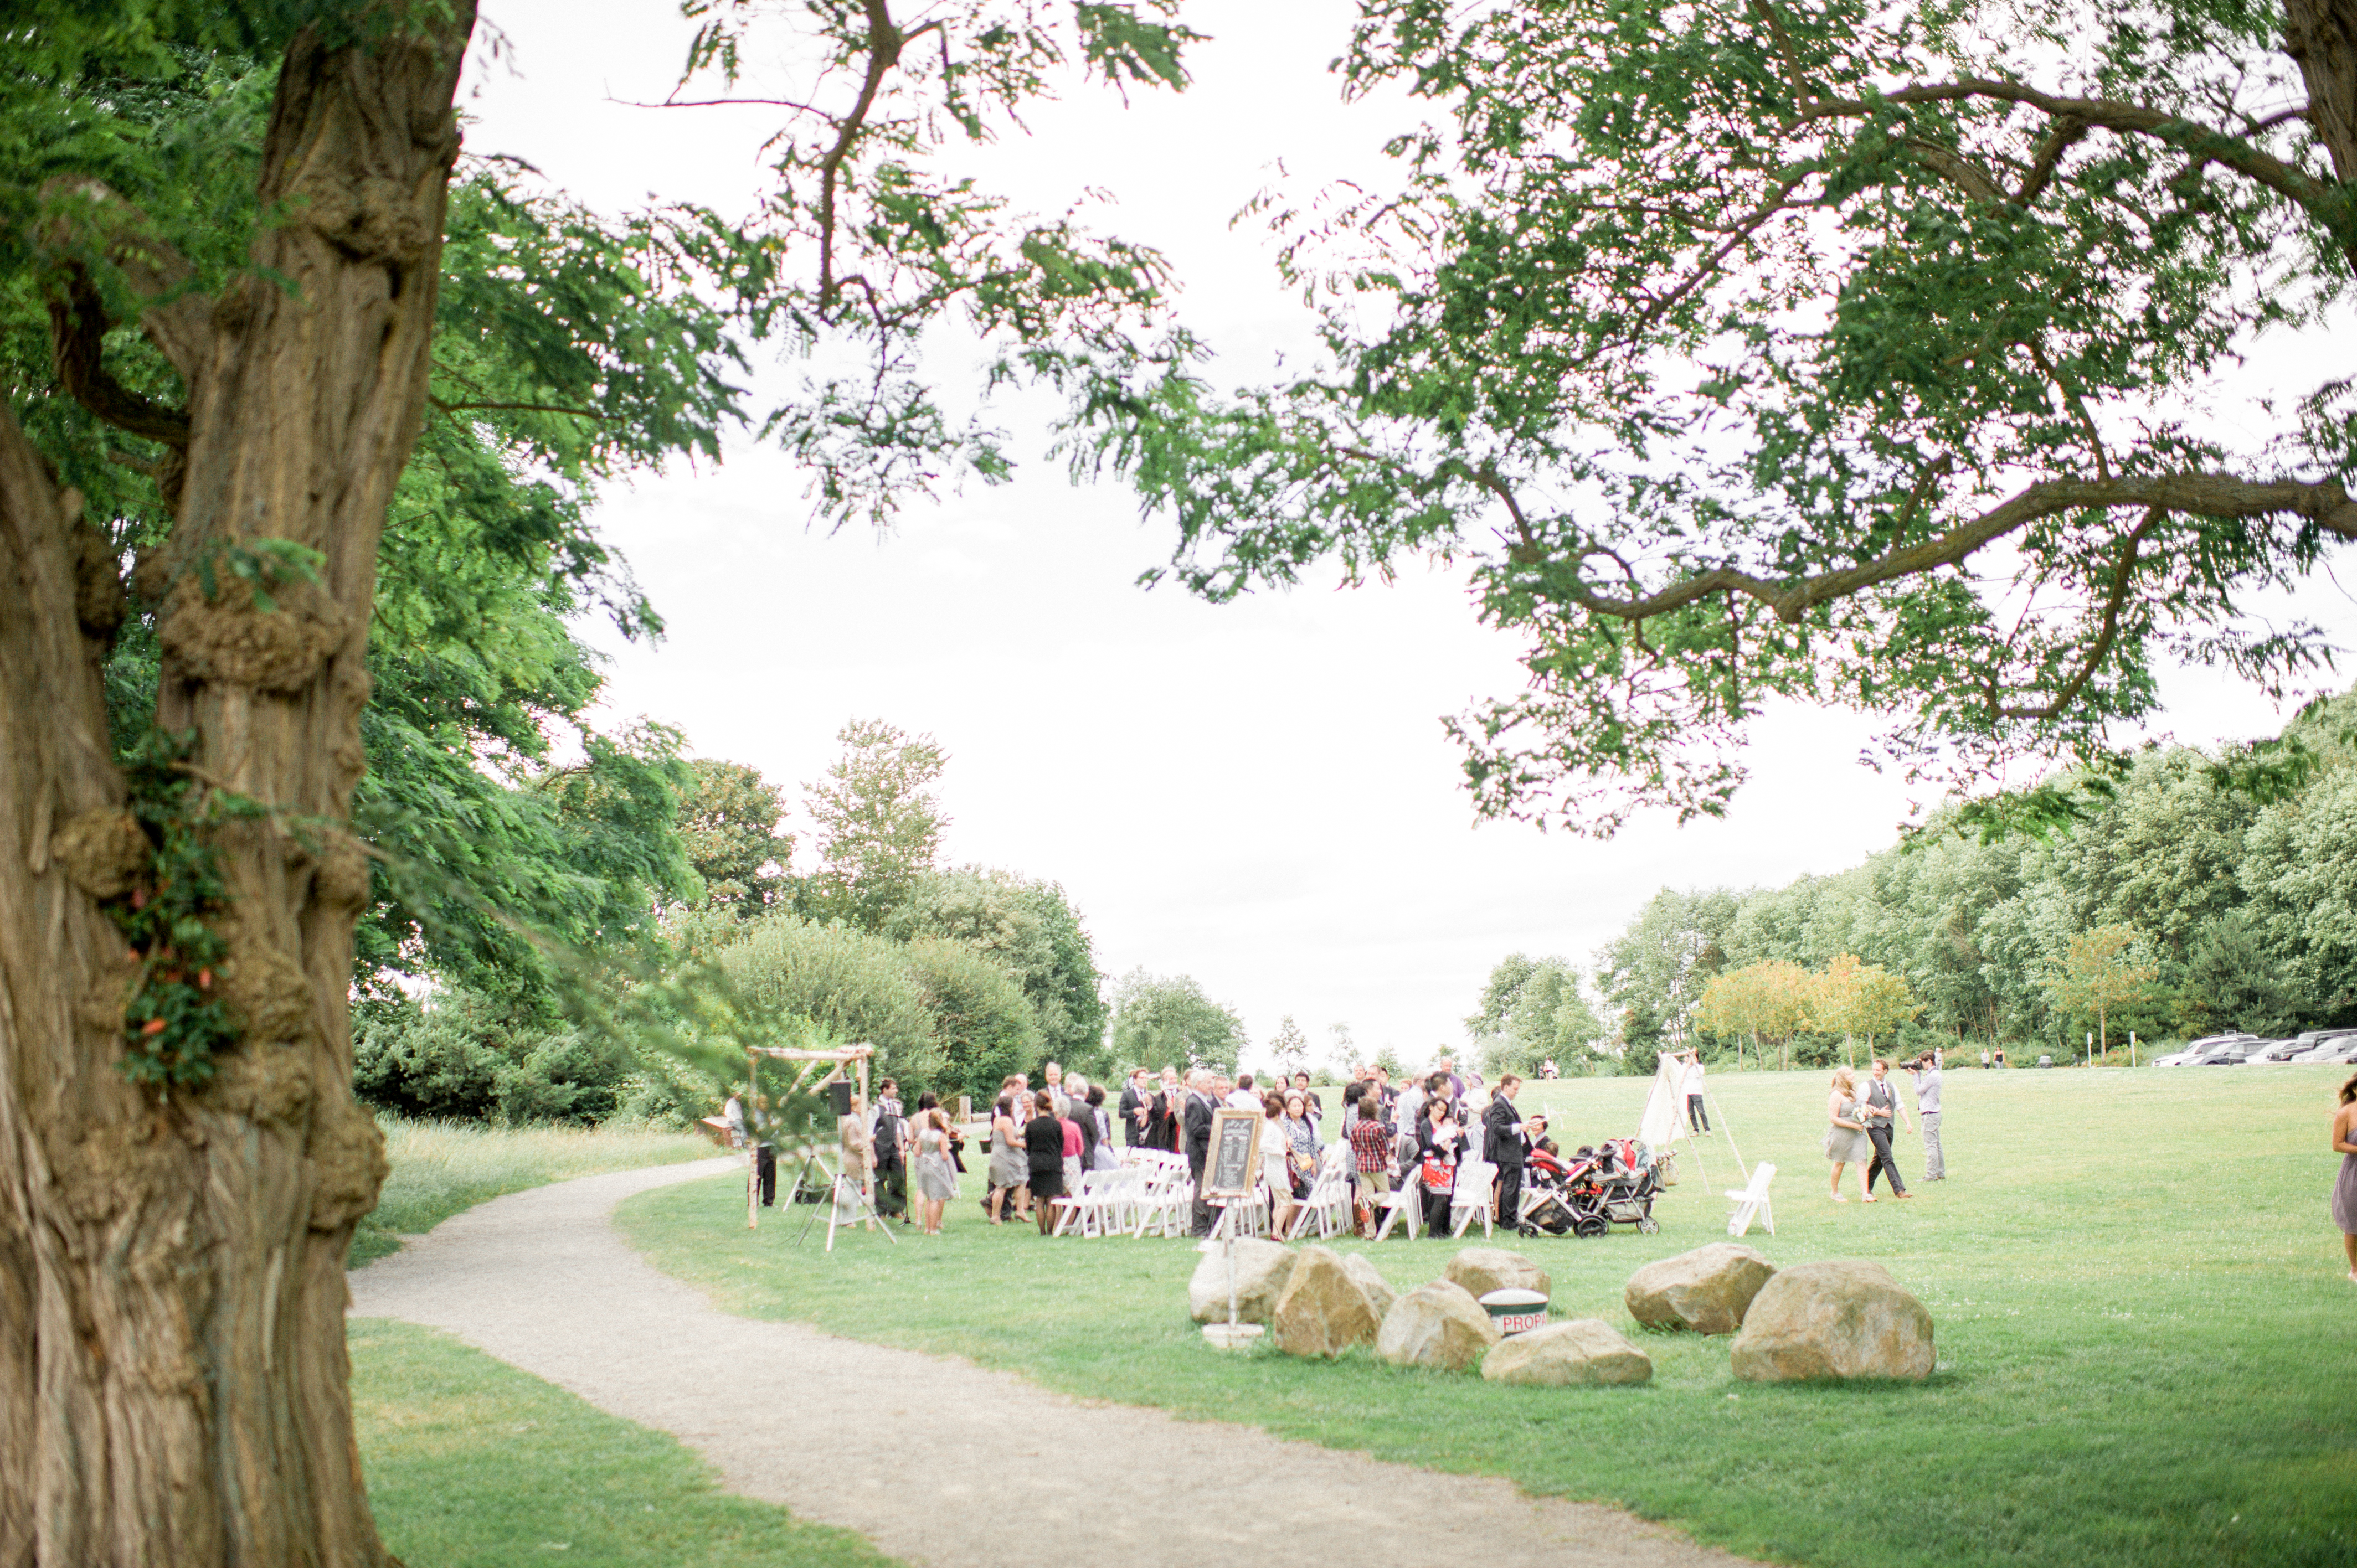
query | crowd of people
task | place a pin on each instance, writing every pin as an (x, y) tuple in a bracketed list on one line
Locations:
[(1419, 1132)]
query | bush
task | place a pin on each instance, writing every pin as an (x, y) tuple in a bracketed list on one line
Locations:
[(984, 1025), (854, 985), (462, 1057)]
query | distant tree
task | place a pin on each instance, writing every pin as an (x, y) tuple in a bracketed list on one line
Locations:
[(1289, 1047), (1031, 930), (1533, 1010), (729, 826), (2231, 979), (1158, 1020), (854, 985), (1653, 973), (1860, 1001), (984, 1025), (1341, 1050), (878, 823), (1768, 1000), (2102, 972)]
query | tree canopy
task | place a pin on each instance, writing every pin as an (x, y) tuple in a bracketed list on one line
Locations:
[(1810, 349)]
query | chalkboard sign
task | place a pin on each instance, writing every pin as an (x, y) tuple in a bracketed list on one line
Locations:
[(1234, 1167)]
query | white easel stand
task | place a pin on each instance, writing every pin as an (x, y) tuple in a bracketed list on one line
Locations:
[(1230, 1335)]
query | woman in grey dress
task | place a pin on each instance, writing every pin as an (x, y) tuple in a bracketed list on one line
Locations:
[(2344, 1191), (936, 1176), (1845, 1141), (1009, 1165)]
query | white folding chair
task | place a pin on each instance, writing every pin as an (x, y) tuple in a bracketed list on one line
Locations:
[(1471, 1196), (1751, 1203), (1329, 1202), (1406, 1198), (1077, 1204)]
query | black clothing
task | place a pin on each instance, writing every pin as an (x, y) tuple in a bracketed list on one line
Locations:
[(1502, 1145), (1199, 1153), (1878, 1134), (1085, 1117), (765, 1167), (1043, 1146), (1510, 1196), (1695, 1117), (1162, 1124), (1131, 1104)]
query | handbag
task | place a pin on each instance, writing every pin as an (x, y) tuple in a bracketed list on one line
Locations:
[(1437, 1175)]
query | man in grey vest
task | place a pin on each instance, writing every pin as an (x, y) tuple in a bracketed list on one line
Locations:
[(1880, 1107), (1926, 1071)]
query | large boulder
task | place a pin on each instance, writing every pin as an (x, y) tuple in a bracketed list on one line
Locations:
[(1439, 1326), (1262, 1270), (1323, 1310), (1841, 1318), (1706, 1290), (1584, 1350), (1481, 1269), (1371, 1280)]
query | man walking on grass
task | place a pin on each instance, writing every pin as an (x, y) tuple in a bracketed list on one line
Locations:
[(1881, 1104), (1199, 1144)]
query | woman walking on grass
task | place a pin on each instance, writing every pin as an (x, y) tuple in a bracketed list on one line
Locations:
[(936, 1176), (2344, 1191), (1043, 1144), (1845, 1141)]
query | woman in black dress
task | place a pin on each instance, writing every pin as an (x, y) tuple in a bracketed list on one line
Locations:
[(1043, 1144)]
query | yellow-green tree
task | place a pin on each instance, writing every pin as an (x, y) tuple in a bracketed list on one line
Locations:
[(1862, 1000), (1766, 1000), (2101, 970)]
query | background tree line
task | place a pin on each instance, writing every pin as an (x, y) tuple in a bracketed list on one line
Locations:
[(2179, 906)]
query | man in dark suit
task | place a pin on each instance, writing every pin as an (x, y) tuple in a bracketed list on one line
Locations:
[(1198, 1147), (1503, 1147), (1133, 1095)]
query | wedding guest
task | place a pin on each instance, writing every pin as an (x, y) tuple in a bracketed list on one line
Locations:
[(1879, 1105), (1136, 1096), (1043, 1144), (1010, 1169), (1845, 1141), (2344, 1189), (936, 1176)]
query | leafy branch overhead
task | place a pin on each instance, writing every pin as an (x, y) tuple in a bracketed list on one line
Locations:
[(871, 242), (1806, 349)]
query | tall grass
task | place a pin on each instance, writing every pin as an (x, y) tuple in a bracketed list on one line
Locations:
[(442, 1168)]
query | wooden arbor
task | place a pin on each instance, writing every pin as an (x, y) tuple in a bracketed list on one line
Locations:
[(853, 1057)]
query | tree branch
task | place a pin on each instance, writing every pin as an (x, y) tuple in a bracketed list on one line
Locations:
[(2209, 495), (77, 336), (2107, 632)]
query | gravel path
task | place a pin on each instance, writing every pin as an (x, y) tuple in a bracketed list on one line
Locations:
[(824, 1425)]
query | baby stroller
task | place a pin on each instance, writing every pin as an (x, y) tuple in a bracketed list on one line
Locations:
[(1612, 1182), (1548, 1205)]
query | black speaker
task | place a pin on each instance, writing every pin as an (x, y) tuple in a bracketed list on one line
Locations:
[(838, 1094)]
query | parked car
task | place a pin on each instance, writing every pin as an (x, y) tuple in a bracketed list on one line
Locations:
[(2235, 1052), (2338, 1047), (2278, 1050), (2199, 1050)]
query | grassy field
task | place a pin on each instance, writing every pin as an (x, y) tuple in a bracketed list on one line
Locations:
[(442, 1168), (2144, 1333), (472, 1464)]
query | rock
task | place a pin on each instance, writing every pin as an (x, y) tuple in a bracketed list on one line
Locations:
[(1262, 1270), (1371, 1280), (1481, 1269), (1706, 1290), (1323, 1310), (1584, 1350), (1842, 1319), (1439, 1326)]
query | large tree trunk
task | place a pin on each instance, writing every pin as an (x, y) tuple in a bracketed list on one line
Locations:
[(2321, 35), (173, 1376)]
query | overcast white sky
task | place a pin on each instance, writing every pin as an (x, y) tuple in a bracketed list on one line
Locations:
[(1260, 794)]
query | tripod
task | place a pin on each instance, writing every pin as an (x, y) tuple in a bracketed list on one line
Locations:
[(846, 1206)]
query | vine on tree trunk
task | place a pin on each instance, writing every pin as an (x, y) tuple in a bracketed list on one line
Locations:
[(175, 1020)]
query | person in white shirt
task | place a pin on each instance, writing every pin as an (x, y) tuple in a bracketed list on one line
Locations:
[(1926, 1071), (1243, 1097), (1696, 1118)]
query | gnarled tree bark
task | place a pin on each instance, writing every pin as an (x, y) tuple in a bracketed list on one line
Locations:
[(173, 1376)]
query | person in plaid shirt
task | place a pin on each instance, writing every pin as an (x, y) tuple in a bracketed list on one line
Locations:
[(1371, 1142)]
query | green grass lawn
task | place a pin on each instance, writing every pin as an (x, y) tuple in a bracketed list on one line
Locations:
[(2147, 1346), (472, 1464), (442, 1168)]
